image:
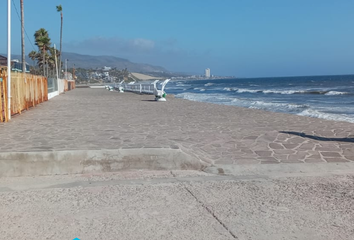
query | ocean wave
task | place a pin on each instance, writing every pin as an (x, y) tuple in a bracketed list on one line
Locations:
[(282, 91), (242, 90), (181, 84), (208, 84), (277, 107), (204, 97), (299, 109), (328, 116), (228, 89), (286, 92), (245, 90), (336, 93), (200, 89)]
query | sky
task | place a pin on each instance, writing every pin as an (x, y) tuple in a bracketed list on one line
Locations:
[(241, 38)]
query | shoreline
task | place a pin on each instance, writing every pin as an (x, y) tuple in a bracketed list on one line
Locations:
[(269, 111)]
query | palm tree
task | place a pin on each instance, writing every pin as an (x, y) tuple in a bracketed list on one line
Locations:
[(33, 55), (43, 42), (60, 9), (51, 60)]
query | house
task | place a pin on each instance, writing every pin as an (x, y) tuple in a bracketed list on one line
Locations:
[(3, 60), (16, 65)]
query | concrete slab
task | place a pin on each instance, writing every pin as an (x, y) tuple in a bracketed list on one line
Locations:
[(14, 164), (177, 205)]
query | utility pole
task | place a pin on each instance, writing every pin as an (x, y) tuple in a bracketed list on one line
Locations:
[(23, 39), (9, 58)]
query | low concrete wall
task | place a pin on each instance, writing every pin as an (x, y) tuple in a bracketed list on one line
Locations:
[(89, 161), (53, 94)]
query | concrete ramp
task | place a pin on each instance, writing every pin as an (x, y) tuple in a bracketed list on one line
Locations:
[(14, 164)]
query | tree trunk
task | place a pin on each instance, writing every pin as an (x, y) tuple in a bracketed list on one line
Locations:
[(43, 63), (23, 38)]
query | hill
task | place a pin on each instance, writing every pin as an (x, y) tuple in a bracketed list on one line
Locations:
[(88, 61)]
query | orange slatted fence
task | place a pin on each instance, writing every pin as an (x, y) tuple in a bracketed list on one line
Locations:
[(27, 91)]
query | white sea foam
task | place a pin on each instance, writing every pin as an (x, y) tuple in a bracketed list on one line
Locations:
[(228, 89), (200, 89), (182, 84), (208, 84), (245, 90), (328, 116), (274, 106), (270, 91), (204, 97), (282, 91), (336, 93), (299, 109)]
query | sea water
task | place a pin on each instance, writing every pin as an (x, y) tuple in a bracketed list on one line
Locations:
[(326, 97)]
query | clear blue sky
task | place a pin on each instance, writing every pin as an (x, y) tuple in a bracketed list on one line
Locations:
[(244, 38)]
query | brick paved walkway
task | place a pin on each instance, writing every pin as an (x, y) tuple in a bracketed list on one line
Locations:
[(92, 119)]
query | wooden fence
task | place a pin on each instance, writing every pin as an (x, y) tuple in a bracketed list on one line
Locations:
[(3, 96), (27, 91)]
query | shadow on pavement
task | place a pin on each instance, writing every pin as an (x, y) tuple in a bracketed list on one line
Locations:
[(319, 138)]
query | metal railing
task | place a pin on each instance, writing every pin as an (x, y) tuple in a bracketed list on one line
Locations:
[(142, 88)]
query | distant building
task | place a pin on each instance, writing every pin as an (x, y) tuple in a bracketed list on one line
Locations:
[(68, 75), (3, 60), (207, 73), (16, 65), (106, 68)]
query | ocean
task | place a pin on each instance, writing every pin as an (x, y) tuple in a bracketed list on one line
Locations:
[(326, 97)]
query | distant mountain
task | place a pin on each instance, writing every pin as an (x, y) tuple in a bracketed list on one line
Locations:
[(88, 61)]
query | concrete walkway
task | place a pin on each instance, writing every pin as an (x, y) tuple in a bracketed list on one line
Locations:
[(177, 205), (265, 175), (98, 119), (95, 119)]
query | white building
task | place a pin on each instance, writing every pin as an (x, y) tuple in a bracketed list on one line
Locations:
[(207, 73)]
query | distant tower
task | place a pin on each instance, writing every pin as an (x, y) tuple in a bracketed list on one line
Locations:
[(207, 73)]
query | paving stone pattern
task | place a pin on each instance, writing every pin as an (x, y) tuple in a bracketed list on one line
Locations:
[(98, 119)]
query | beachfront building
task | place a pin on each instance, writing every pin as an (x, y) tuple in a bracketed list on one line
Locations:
[(68, 75), (3, 60), (207, 73)]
